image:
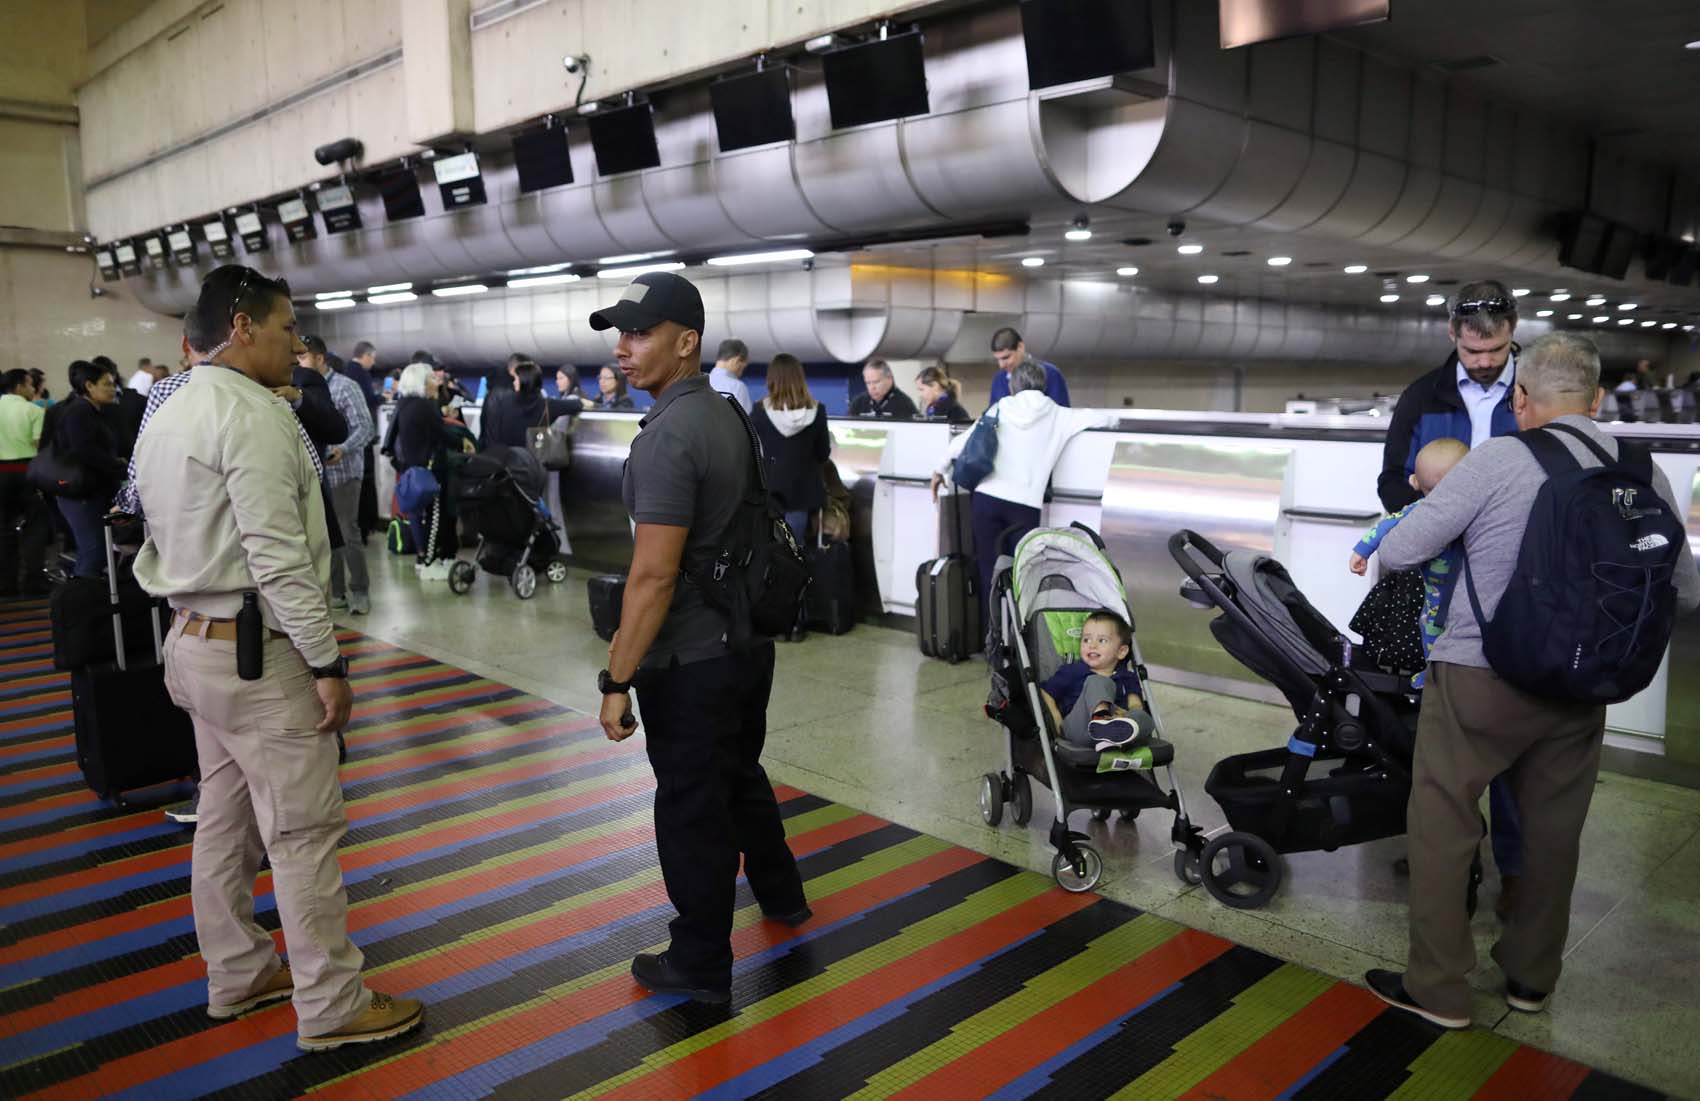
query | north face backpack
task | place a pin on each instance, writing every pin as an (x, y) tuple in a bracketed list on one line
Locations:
[(1587, 614)]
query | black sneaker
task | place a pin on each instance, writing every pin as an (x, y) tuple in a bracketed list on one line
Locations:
[(793, 919), (655, 972), (1389, 986), (1118, 733), (1524, 999)]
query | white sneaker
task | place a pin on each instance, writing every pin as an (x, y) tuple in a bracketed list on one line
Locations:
[(436, 571), (359, 604)]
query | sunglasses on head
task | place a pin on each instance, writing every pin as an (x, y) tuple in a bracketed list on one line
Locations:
[(250, 277), (1483, 305)]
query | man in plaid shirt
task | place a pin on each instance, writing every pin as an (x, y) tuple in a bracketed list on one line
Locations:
[(345, 468)]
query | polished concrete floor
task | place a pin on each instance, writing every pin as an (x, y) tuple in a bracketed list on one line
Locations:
[(865, 720)]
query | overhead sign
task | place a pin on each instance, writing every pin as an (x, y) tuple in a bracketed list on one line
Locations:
[(459, 181), (217, 238), (128, 262), (252, 231), (400, 189), (155, 249), (182, 245), (297, 220), (107, 263), (336, 203)]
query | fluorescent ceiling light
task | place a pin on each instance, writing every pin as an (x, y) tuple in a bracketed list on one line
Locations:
[(543, 270), (544, 280), (1648, 324), (1688, 328), (1190, 250), (778, 256), (1668, 325), (392, 298), (634, 270), (1573, 317), (1356, 269), (1279, 261), (1079, 235), (1560, 296), (1032, 261), (1520, 292), (1416, 279), (1626, 321), (456, 292), (1435, 300), (1389, 299), (1597, 300), (633, 257), (1626, 305), (1207, 280), (336, 304), (1600, 320), (1694, 45), (326, 296), (389, 288), (1543, 313), (1127, 273)]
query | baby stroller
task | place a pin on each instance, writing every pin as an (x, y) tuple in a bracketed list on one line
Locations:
[(499, 494), (1344, 776), (1041, 598)]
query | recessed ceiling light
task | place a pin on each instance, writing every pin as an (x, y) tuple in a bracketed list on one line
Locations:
[(1416, 279), (1079, 235), (1688, 328), (543, 269), (391, 298), (1127, 273), (1560, 296), (1648, 324), (543, 280), (1280, 261), (389, 288), (1626, 321), (632, 271), (1600, 320), (1668, 325), (1543, 313), (1390, 298), (1597, 300), (1694, 45), (326, 296), (1207, 280), (1190, 250), (1626, 305), (1032, 261), (1573, 317), (778, 256), (1520, 292), (1356, 269), (457, 291), (632, 257), (336, 304), (1436, 300)]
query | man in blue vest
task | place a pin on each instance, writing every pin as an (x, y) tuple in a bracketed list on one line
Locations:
[(1467, 398), (1010, 351)]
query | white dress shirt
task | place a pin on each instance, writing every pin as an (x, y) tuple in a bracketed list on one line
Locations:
[(1481, 400)]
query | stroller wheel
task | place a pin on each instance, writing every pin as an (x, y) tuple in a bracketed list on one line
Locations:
[(524, 581), (1102, 814), (1130, 815), (1241, 870), (1081, 873), (991, 798), (1022, 796), (461, 576), (556, 571), (1187, 869)]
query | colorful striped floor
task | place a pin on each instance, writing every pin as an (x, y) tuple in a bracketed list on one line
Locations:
[(500, 865)]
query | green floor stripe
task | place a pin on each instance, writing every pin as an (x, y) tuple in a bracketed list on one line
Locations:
[(1456, 1065), (1103, 956), (1263, 1006)]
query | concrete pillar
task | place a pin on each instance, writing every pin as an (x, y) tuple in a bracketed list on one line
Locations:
[(436, 43)]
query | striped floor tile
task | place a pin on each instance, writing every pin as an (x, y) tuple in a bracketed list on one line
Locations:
[(500, 864)]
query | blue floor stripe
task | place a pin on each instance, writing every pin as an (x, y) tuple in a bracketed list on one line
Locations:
[(30, 705), (1292, 1091), (1040, 1076)]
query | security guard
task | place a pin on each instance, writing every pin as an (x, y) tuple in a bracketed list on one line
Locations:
[(704, 707)]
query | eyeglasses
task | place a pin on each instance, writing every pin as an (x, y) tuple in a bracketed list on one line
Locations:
[(252, 277), (1483, 305)]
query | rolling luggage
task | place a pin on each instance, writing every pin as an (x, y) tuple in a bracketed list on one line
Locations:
[(830, 603), (947, 608), (81, 613), (607, 593), (129, 735)]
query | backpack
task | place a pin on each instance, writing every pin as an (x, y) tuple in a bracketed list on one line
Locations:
[(1588, 612), (758, 577)]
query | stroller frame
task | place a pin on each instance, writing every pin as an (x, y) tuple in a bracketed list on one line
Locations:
[(523, 577)]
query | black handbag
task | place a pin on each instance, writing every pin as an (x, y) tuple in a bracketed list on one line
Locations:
[(57, 474)]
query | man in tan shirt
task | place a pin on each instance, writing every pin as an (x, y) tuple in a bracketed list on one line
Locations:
[(233, 506)]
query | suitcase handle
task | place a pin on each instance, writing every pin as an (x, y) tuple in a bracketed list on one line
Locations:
[(119, 649)]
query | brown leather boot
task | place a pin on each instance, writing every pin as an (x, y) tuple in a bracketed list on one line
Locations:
[(384, 1018), (280, 986)]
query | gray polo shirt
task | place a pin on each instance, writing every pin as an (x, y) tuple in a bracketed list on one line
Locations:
[(688, 467)]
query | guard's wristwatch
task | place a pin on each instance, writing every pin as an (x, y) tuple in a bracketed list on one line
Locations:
[(608, 686), (336, 670)]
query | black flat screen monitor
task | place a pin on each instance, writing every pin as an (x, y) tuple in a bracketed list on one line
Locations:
[(542, 158), (400, 190), (753, 109), (1687, 264), (1620, 249), (1581, 240), (876, 81), (624, 139), (1070, 40)]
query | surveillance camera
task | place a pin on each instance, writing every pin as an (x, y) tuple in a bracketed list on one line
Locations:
[(1176, 228), (575, 63)]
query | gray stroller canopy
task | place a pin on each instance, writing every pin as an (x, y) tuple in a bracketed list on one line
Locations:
[(1266, 593)]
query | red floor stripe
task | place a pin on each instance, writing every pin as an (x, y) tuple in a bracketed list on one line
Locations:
[(1530, 1074), (26, 748), (1263, 1071)]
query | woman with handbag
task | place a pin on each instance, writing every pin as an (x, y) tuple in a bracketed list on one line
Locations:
[(79, 464), (512, 421), (418, 443), (792, 427)]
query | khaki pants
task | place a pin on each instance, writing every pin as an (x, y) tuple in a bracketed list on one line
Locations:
[(269, 787), (1475, 726)]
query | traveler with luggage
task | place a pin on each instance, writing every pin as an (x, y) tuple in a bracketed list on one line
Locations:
[(1561, 517), (237, 542), (77, 439), (23, 527), (420, 440)]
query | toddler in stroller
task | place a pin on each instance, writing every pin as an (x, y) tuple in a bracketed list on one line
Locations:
[(499, 494), (1043, 597)]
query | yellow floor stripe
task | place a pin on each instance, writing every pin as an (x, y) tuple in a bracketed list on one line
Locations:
[(1455, 1066)]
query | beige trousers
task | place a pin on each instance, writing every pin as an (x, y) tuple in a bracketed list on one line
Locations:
[(269, 787)]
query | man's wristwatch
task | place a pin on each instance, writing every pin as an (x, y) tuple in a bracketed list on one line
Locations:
[(337, 670), (608, 686)]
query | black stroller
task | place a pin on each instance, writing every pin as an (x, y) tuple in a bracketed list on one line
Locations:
[(499, 495), (1041, 598), (1344, 776)]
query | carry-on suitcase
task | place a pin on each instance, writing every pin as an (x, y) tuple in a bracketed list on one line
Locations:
[(947, 608), (129, 735), (607, 593), (80, 611), (830, 603)]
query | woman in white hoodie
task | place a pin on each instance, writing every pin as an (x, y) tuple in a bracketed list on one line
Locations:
[(794, 437), (1032, 432)]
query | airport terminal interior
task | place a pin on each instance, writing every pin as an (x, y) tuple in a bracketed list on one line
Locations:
[(1239, 229)]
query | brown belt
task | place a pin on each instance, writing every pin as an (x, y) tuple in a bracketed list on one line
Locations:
[(219, 630)]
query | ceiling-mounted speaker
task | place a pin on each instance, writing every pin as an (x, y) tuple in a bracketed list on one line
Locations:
[(542, 158), (753, 109), (400, 189), (1581, 240), (624, 138), (1073, 40), (877, 80)]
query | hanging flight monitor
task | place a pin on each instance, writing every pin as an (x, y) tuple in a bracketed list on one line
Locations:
[(252, 231), (542, 158), (624, 139), (182, 245), (459, 181), (155, 248), (217, 238), (753, 109), (128, 262), (336, 205), (877, 80), (297, 219), (107, 263), (400, 189), (1244, 22), (1072, 40)]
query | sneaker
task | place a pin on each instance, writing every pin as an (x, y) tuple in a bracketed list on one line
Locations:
[(436, 571), (1389, 986), (384, 1018), (1115, 733), (186, 813), (359, 604), (280, 986), (1524, 999), (793, 919), (656, 973), (339, 603)]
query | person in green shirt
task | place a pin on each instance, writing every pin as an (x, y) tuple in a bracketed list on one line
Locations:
[(23, 527)]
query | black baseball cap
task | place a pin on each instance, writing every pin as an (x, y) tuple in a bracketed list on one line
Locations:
[(313, 344), (652, 298)]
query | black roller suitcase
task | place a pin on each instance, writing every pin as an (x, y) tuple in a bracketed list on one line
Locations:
[(607, 595), (129, 735), (947, 608), (830, 604)]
